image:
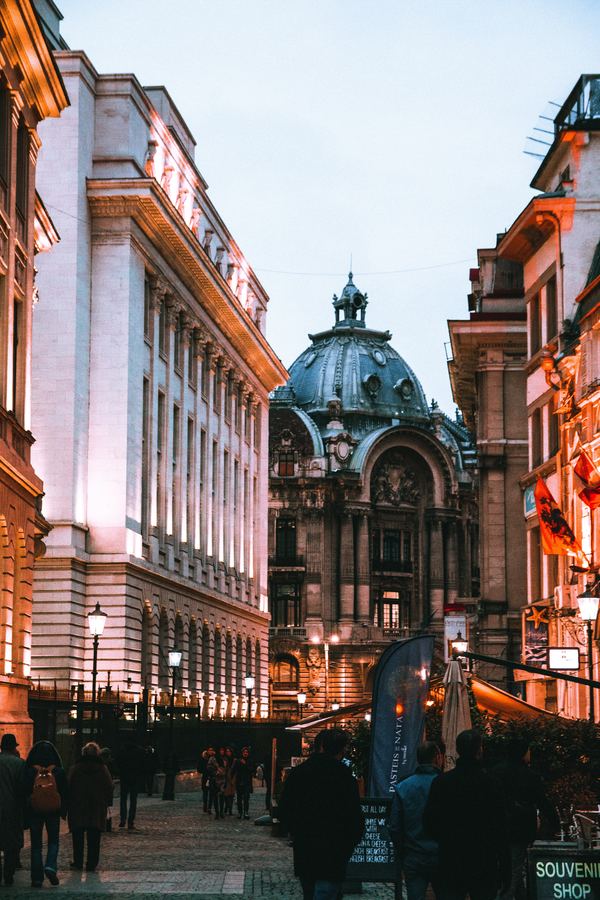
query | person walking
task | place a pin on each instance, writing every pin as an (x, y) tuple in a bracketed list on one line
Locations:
[(526, 800), (44, 785), (243, 771), (415, 851), (11, 807), (465, 813), (229, 788), (320, 807), (201, 768), (216, 777), (130, 764), (90, 795)]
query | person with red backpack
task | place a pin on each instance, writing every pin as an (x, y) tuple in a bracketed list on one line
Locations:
[(45, 792)]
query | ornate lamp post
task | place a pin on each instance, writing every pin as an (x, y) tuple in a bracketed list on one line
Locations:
[(96, 622), (301, 698), (459, 646), (249, 681), (588, 611), (333, 639), (169, 788)]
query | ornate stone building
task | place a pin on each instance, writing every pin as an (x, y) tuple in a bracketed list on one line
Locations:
[(151, 383), (30, 91), (372, 513)]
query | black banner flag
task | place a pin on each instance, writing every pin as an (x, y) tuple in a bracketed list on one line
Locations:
[(399, 696)]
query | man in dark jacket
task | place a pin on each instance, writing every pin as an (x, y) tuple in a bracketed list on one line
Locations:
[(321, 809), (131, 765), (466, 815), (11, 813), (525, 798), (416, 851)]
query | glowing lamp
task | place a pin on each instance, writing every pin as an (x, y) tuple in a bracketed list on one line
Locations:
[(334, 638), (315, 639), (459, 645), (399, 708), (367, 717), (249, 682), (588, 606), (96, 621), (547, 361), (335, 706), (175, 659), (301, 698)]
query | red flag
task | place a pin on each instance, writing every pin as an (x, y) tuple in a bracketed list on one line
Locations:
[(557, 537), (587, 472)]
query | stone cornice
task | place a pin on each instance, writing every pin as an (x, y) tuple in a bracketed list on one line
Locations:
[(143, 201), (27, 50)]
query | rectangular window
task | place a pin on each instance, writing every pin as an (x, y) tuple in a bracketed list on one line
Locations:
[(217, 389), (247, 420), (160, 440), (22, 192), (162, 329), (535, 335), (202, 484), (204, 374), (392, 612), (190, 464), (285, 600), (551, 309), (145, 456), (286, 463), (536, 438), (553, 430), (147, 309), (238, 410), (16, 360), (178, 342), (5, 133), (191, 363), (176, 468), (228, 397), (535, 565), (391, 546), (285, 541)]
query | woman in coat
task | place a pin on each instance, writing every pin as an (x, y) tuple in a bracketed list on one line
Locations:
[(229, 788), (44, 759), (90, 794)]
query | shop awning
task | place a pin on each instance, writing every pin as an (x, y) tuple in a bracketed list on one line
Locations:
[(322, 719)]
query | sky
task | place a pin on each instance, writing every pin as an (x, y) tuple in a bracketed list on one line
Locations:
[(389, 132)]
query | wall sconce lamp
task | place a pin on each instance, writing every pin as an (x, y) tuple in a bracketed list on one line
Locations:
[(548, 364)]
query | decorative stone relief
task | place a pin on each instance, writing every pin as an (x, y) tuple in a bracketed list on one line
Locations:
[(149, 164), (394, 482), (314, 665)]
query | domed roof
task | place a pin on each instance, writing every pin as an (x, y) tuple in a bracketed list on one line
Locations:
[(357, 368)]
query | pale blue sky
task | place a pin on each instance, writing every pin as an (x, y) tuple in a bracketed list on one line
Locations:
[(389, 129)]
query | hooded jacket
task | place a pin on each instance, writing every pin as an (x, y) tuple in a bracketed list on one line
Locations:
[(90, 793)]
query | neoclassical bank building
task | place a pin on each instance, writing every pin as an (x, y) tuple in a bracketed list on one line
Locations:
[(372, 514)]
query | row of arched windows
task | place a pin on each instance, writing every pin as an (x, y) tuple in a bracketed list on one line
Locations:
[(228, 660)]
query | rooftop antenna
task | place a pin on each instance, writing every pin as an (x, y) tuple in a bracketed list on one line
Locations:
[(542, 129), (350, 262)]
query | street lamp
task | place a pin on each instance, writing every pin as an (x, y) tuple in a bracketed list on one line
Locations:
[(333, 639), (301, 698), (170, 767), (335, 706), (96, 622), (249, 681), (588, 610), (459, 646)]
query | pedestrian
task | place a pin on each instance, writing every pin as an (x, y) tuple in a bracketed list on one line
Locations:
[(215, 776), (321, 809), (11, 807), (243, 771), (150, 768), (465, 813), (130, 763), (46, 795), (201, 768), (229, 788), (415, 851), (526, 801), (90, 795), (107, 759)]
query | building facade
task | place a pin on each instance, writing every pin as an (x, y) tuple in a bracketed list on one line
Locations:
[(372, 514), (31, 90), (487, 374), (155, 358)]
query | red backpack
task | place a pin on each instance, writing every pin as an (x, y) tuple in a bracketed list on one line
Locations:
[(45, 798)]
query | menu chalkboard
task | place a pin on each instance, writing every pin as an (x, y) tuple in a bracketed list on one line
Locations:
[(373, 858), (563, 873)]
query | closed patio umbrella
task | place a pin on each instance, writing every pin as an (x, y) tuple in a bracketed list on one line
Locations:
[(457, 715)]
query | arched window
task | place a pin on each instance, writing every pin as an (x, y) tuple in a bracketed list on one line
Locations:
[(193, 656), (146, 641), (249, 670), (229, 686), (257, 668), (286, 673), (218, 653), (163, 650), (239, 667), (205, 659)]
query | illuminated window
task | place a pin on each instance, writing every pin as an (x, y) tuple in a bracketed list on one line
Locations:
[(286, 463), (285, 605), (286, 673), (392, 612)]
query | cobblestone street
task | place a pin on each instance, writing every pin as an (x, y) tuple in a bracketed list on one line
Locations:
[(178, 850)]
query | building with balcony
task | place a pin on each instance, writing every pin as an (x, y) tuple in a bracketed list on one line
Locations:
[(150, 396), (372, 513), (487, 373), (31, 90)]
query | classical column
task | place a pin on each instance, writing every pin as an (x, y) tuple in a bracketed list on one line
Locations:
[(451, 553), (346, 567), (362, 597), (314, 565), (436, 571)]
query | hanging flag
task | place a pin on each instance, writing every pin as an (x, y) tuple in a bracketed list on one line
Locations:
[(400, 692), (588, 474), (557, 537)]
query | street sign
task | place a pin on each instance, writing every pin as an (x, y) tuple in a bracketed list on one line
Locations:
[(563, 659), (563, 873), (373, 859)]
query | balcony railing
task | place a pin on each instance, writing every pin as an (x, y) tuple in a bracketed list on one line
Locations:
[(286, 561), (581, 106), (294, 631)]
